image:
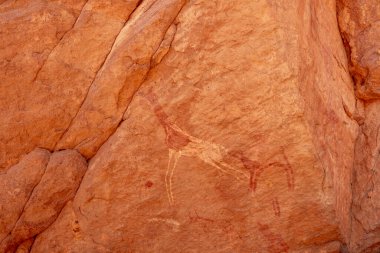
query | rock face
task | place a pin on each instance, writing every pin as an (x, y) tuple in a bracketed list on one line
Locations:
[(361, 33), (40, 106), (123, 71), (58, 185), (16, 186), (208, 126)]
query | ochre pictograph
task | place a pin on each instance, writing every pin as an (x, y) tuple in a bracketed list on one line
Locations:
[(276, 243), (182, 144), (255, 168), (276, 207), (196, 217)]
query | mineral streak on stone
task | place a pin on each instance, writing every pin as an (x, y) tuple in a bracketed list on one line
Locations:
[(207, 125)]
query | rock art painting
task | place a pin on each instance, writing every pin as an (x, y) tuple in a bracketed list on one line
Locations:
[(256, 169), (180, 144), (274, 241), (276, 207), (247, 126)]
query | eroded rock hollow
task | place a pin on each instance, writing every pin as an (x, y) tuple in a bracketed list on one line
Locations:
[(189, 126)]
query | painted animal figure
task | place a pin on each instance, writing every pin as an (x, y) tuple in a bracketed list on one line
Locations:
[(276, 243), (181, 143), (256, 168)]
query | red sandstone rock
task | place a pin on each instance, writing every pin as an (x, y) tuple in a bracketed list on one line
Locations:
[(121, 75), (210, 126), (361, 33), (47, 102), (30, 33), (221, 167), (16, 186), (74, 238), (366, 184), (25, 246), (360, 29), (57, 186)]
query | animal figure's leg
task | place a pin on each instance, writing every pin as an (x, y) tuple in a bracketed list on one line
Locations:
[(254, 176), (289, 173), (288, 169), (276, 207), (172, 163), (290, 176)]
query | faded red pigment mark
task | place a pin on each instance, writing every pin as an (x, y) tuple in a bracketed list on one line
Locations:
[(255, 169), (287, 167), (276, 243), (204, 223), (181, 144), (276, 207), (148, 184), (175, 139), (199, 218)]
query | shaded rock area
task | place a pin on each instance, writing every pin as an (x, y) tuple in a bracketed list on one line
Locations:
[(189, 126), (360, 28)]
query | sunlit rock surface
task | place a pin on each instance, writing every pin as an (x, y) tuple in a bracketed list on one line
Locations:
[(207, 126)]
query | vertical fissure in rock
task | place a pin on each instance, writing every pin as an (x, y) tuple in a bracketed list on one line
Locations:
[(60, 211), (58, 43), (94, 79), (58, 185), (347, 50), (88, 160), (98, 70), (27, 201), (362, 147), (146, 75)]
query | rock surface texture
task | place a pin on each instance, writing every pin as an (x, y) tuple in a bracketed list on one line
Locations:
[(189, 126), (359, 22)]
